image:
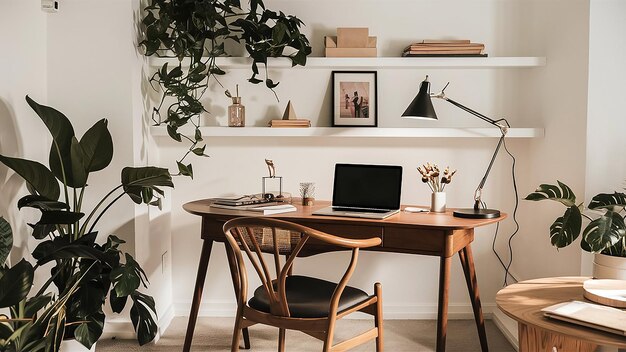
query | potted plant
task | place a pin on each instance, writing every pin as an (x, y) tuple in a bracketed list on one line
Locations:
[(196, 32), (605, 233), (84, 271)]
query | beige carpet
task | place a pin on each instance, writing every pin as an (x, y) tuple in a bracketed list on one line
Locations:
[(214, 334)]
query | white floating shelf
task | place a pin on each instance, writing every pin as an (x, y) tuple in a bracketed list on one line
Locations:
[(377, 62), (360, 132)]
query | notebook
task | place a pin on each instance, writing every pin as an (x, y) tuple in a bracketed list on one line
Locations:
[(595, 316), (365, 191)]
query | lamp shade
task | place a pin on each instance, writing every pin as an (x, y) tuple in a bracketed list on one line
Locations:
[(421, 107)]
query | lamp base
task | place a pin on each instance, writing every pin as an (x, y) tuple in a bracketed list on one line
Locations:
[(471, 213)]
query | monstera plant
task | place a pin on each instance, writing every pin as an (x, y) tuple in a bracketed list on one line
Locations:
[(605, 233), (196, 31), (83, 270)]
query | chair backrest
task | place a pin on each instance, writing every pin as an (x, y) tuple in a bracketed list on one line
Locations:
[(257, 235)]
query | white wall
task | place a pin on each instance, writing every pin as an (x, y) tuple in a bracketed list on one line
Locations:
[(547, 97), (94, 72), (606, 168), (23, 71)]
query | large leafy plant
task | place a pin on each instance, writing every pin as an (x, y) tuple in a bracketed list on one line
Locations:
[(197, 30), (606, 231), (83, 270)]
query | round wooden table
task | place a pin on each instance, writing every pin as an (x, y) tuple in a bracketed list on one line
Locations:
[(523, 302)]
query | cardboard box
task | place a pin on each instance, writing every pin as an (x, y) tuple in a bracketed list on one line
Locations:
[(350, 52), (352, 37), (331, 42)]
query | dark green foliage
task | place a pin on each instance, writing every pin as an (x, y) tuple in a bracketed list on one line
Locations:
[(83, 271), (196, 32), (606, 234)]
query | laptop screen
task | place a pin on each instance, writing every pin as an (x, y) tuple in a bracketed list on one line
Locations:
[(367, 186)]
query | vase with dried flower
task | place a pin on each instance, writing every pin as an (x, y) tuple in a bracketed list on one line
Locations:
[(437, 183), (307, 192)]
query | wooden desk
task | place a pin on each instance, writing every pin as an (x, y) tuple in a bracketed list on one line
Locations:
[(434, 234), (523, 302)]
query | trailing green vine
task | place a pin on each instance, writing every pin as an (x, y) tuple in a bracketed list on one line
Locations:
[(195, 31)]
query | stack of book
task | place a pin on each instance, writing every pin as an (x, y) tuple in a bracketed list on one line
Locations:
[(290, 123), (459, 48)]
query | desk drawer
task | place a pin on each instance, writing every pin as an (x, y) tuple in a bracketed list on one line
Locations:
[(342, 230), (415, 240)]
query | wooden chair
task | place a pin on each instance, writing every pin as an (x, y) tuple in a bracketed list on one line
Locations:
[(295, 302)]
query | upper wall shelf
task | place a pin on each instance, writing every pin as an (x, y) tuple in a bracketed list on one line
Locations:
[(380, 62), (362, 132)]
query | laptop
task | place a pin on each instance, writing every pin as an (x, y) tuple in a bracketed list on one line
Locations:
[(365, 191)]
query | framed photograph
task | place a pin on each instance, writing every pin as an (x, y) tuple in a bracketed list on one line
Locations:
[(355, 99)]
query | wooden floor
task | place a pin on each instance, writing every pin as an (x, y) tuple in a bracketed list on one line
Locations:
[(214, 334)]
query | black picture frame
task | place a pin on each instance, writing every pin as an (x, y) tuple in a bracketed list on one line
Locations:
[(355, 99)]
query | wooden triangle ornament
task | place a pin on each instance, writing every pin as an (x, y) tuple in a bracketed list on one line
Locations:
[(290, 113)]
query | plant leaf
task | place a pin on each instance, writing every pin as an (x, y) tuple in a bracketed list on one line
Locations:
[(89, 332), (98, 146), (141, 314), (146, 177), (6, 240), (604, 231), (36, 303), (561, 193), (56, 328), (126, 278), (77, 157), (62, 133), (37, 175), (16, 283), (117, 303), (41, 203), (54, 217), (608, 201), (566, 228)]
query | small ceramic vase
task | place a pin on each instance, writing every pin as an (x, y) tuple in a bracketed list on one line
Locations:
[(438, 202)]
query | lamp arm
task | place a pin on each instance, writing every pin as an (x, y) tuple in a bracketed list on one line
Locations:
[(479, 190), (502, 124)]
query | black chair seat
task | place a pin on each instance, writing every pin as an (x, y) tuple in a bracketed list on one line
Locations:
[(308, 297)]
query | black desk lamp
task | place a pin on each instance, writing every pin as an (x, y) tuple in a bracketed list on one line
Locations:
[(422, 107)]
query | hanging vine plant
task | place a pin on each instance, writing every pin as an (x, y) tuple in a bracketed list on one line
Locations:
[(195, 31)]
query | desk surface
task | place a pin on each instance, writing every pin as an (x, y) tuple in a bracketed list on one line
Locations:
[(440, 221), (523, 302)]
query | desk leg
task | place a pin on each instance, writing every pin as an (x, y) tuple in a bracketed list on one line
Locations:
[(467, 261), (442, 313), (197, 293)]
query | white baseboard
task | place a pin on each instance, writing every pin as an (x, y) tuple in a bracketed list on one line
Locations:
[(227, 308), (507, 326), (123, 328)]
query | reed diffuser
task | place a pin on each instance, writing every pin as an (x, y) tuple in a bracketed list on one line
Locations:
[(236, 111)]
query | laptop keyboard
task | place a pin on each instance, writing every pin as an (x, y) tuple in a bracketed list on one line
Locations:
[(361, 210)]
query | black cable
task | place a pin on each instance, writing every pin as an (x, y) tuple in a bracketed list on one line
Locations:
[(508, 267)]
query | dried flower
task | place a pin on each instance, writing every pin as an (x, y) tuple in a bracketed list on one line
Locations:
[(430, 175)]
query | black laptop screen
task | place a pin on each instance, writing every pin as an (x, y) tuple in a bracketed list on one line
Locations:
[(367, 186)]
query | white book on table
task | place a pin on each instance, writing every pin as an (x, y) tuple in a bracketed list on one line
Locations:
[(591, 315), (261, 209)]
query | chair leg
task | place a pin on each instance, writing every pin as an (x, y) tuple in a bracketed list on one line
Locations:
[(378, 317), (234, 347), (246, 338), (328, 343), (281, 340)]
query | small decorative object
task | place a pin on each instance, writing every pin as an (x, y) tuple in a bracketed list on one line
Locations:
[(350, 42), (430, 175), (354, 99), (290, 119), (272, 179), (236, 111), (307, 193)]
